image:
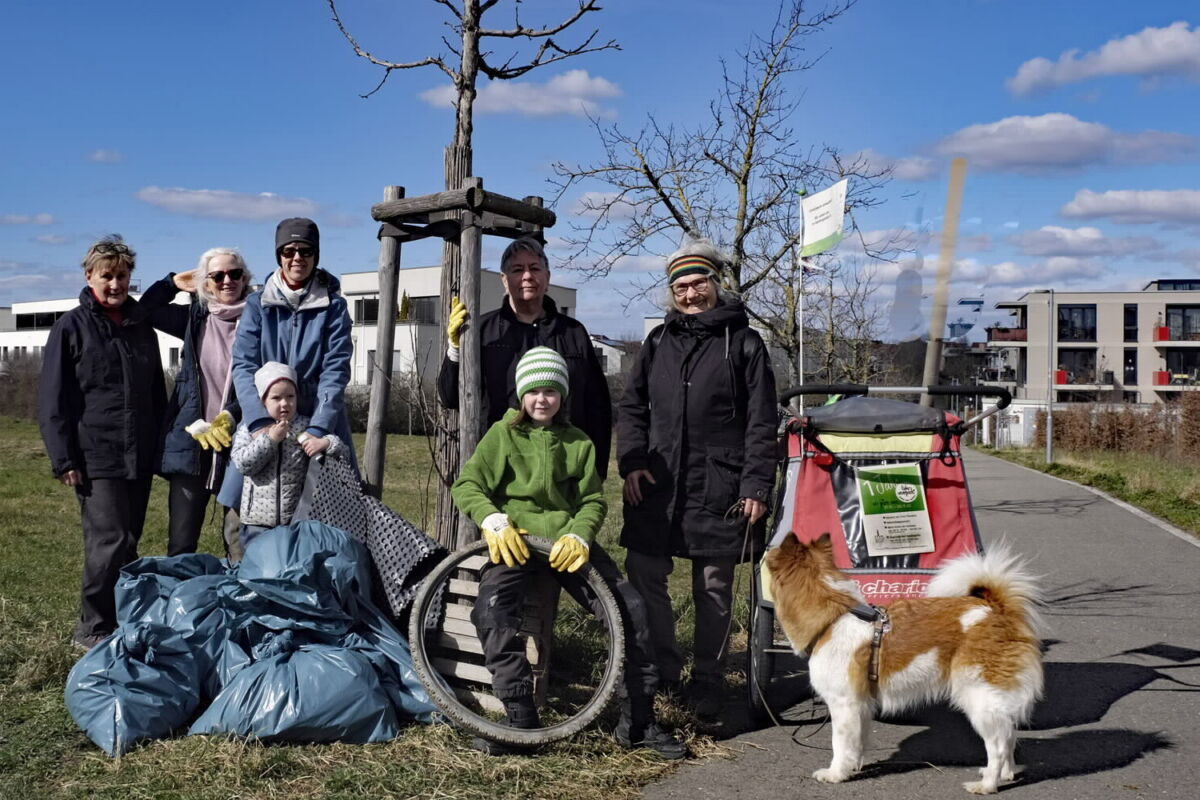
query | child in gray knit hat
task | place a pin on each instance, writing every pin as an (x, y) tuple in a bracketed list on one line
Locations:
[(274, 459)]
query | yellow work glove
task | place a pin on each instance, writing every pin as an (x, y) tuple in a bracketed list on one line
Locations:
[(505, 543), (569, 553), (458, 318), (220, 433)]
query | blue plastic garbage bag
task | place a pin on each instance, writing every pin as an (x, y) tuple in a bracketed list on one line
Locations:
[(305, 693), (388, 653), (328, 563), (205, 612), (140, 683), (144, 585)]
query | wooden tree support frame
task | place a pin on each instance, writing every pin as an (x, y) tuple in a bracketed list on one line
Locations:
[(461, 217)]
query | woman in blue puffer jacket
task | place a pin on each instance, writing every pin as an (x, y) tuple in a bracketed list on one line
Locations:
[(299, 318)]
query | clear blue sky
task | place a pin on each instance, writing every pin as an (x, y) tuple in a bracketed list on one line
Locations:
[(167, 121)]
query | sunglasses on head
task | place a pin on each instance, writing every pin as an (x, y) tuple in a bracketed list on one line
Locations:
[(232, 274), (303, 252)]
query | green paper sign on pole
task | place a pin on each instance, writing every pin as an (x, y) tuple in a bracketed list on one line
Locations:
[(824, 214)]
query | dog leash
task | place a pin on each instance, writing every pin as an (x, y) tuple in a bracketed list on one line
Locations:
[(881, 624)]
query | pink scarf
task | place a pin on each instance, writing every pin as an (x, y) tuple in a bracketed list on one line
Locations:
[(216, 351)]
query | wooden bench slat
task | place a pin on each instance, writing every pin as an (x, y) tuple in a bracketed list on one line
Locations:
[(463, 644), (467, 672)]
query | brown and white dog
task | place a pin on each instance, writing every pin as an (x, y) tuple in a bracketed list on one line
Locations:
[(973, 640)]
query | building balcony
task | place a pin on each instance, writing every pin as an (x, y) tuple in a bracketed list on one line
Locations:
[(1084, 379), (1001, 334), (1166, 335)]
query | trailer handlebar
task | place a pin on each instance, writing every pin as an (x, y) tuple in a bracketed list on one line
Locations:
[(1002, 395)]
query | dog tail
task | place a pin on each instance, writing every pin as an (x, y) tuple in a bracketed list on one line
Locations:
[(998, 577)]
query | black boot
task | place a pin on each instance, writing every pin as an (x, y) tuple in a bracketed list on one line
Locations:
[(638, 727), (520, 712)]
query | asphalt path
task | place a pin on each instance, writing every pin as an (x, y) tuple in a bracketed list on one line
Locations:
[(1121, 715)]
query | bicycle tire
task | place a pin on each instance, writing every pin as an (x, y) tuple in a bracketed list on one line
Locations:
[(443, 696)]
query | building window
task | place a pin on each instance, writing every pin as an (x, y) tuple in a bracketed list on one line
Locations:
[(1130, 378), (173, 357), (1178, 285), (1077, 323), (1184, 322), (1131, 322), (1183, 364), (1129, 397), (366, 310), (603, 357), (1080, 364), (424, 309)]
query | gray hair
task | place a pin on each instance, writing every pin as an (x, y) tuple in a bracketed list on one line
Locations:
[(526, 244), (110, 249), (202, 294)]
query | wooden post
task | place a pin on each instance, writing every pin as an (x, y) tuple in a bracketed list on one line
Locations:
[(458, 165), (471, 415), (937, 324), (375, 450)]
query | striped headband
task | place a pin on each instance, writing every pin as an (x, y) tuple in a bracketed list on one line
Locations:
[(542, 368), (690, 265)]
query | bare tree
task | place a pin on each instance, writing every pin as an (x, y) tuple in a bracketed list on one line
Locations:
[(463, 59), (733, 178)]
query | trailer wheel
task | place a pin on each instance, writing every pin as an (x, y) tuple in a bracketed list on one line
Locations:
[(424, 625), (761, 661)]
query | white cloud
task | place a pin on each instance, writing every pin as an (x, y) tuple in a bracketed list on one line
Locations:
[(26, 219), (222, 204), (1012, 224), (593, 204), (574, 93), (1056, 142), (1151, 53), (103, 156), (908, 168), (1136, 207), (52, 238), (640, 265), (1052, 240)]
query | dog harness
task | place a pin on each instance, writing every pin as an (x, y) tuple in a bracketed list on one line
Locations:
[(881, 623)]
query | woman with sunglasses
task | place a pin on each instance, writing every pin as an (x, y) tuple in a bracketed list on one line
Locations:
[(298, 318), (203, 409), (696, 447)]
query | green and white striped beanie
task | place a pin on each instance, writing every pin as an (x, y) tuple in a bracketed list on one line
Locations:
[(541, 368)]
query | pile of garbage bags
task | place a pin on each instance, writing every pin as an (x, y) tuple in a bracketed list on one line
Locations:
[(284, 646)]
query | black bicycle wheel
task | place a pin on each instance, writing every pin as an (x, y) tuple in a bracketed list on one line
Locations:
[(760, 658), (424, 628)]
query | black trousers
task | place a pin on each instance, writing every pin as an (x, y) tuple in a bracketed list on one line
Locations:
[(187, 503), (113, 512), (497, 617)]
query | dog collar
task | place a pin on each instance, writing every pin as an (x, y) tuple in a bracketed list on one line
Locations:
[(881, 623)]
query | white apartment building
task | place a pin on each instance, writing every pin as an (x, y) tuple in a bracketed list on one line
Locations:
[(1133, 347), (417, 340)]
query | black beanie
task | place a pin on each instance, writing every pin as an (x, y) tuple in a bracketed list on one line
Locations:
[(297, 229)]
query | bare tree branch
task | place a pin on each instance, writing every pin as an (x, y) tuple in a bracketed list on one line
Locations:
[(390, 65)]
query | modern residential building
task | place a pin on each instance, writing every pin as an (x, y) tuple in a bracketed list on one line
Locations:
[(1133, 347), (417, 339)]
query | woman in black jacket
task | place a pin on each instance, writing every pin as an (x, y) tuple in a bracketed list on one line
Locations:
[(696, 447), (100, 407), (203, 410)]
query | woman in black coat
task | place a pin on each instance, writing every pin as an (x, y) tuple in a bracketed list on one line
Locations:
[(696, 447), (100, 408), (203, 410)]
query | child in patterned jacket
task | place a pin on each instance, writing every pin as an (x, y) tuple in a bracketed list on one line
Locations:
[(274, 459)]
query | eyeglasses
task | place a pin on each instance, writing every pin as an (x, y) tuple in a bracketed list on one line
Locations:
[(292, 252), (231, 274), (699, 286)]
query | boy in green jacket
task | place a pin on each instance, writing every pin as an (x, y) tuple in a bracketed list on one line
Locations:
[(533, 472)]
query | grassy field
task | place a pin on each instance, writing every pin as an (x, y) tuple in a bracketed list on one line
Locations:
[(43, 754), (1167, 488)]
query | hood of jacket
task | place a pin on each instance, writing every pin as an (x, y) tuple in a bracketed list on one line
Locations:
[(321, 286)]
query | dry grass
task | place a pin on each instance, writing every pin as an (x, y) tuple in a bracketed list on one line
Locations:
[(43, 754)]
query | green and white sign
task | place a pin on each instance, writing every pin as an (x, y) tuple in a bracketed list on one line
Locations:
[(824, 214), (892, 504)]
